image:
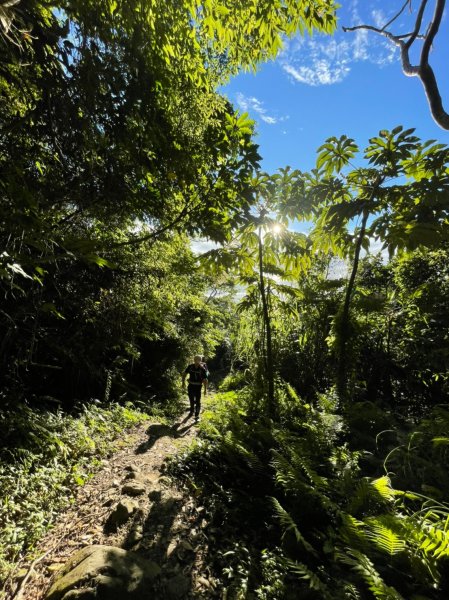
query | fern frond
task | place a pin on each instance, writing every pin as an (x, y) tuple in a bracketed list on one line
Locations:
[(300, 478), (383, 488), (377, 490), (362, 565), (252, 460), (434, 541), (306, 574), (352, 531), (350, 592), (362, 492), (440, 441), (302, 462), (287, 476), (385, 538), (291, 394), (288, 524), (235, 452)]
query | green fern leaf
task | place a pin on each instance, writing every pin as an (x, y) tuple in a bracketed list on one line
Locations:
[(352, 531), (434, 541), (362, 565), (289, 524), (385, 538), (306, 574), (383, 488)]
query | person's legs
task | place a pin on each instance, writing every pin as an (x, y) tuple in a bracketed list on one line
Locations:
[(197, 401), (191, 392)]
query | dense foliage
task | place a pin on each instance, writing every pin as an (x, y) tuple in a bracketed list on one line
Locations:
[(114, 138), (45, 455), (343, 489), (115, 150), (315, 524), (329, 441)]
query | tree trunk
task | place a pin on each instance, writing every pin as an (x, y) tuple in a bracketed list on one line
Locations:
[(344, 323), (267, 323)]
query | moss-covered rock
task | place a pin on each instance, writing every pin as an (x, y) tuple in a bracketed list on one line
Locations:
[(105, 573)]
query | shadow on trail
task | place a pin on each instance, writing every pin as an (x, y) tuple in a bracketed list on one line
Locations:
[(167, 533), (164, 541), (158, 430)]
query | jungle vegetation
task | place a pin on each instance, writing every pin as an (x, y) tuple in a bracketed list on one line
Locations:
[(329, 437)]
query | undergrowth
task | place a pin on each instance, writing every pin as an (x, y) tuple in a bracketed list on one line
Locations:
[(292, 514), (45, 455)]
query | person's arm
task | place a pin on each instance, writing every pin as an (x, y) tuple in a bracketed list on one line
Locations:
[(205, 382)]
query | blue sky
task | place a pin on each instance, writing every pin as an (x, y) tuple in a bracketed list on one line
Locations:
[(348, 83)]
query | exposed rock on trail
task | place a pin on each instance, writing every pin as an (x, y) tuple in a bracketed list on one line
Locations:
[(105, 573), (120, 515), (131, 533)]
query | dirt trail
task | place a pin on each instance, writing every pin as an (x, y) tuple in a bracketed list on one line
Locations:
[(166, 527)]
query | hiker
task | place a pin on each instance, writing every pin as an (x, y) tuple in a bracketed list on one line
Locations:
[(197, 379)]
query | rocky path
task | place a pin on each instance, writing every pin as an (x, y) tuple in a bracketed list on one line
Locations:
[(132, 532)]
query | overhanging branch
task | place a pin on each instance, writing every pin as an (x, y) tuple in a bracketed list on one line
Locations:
[(423, 70)]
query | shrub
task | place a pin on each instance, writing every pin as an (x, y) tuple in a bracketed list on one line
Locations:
[(310, 515), (44, 457)]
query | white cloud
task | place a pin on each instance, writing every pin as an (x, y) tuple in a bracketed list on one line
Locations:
[(200, 246), (319, 73), (252, 104), (360, 45), (379, 18), (325, 60)]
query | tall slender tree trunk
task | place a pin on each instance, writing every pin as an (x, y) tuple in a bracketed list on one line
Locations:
[(267, 323), (342, 371)]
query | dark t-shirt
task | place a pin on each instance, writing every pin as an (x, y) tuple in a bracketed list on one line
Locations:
[(196, 374)]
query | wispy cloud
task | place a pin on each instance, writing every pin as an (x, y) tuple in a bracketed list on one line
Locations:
[(320, 72), (379, 17), (252, 104), (200, 246), (325, 60)]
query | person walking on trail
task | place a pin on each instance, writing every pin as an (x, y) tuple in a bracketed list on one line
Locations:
[(197, 380)]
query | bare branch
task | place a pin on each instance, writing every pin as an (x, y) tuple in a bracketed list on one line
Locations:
[(387, 34), (423, 70), (397, 15), (158, 232), (432, 31), (418, 23)]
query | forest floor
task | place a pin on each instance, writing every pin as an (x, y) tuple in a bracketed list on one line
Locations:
[(166, 525)]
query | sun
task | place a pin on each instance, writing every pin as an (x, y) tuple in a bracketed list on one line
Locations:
[(277, 228)]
